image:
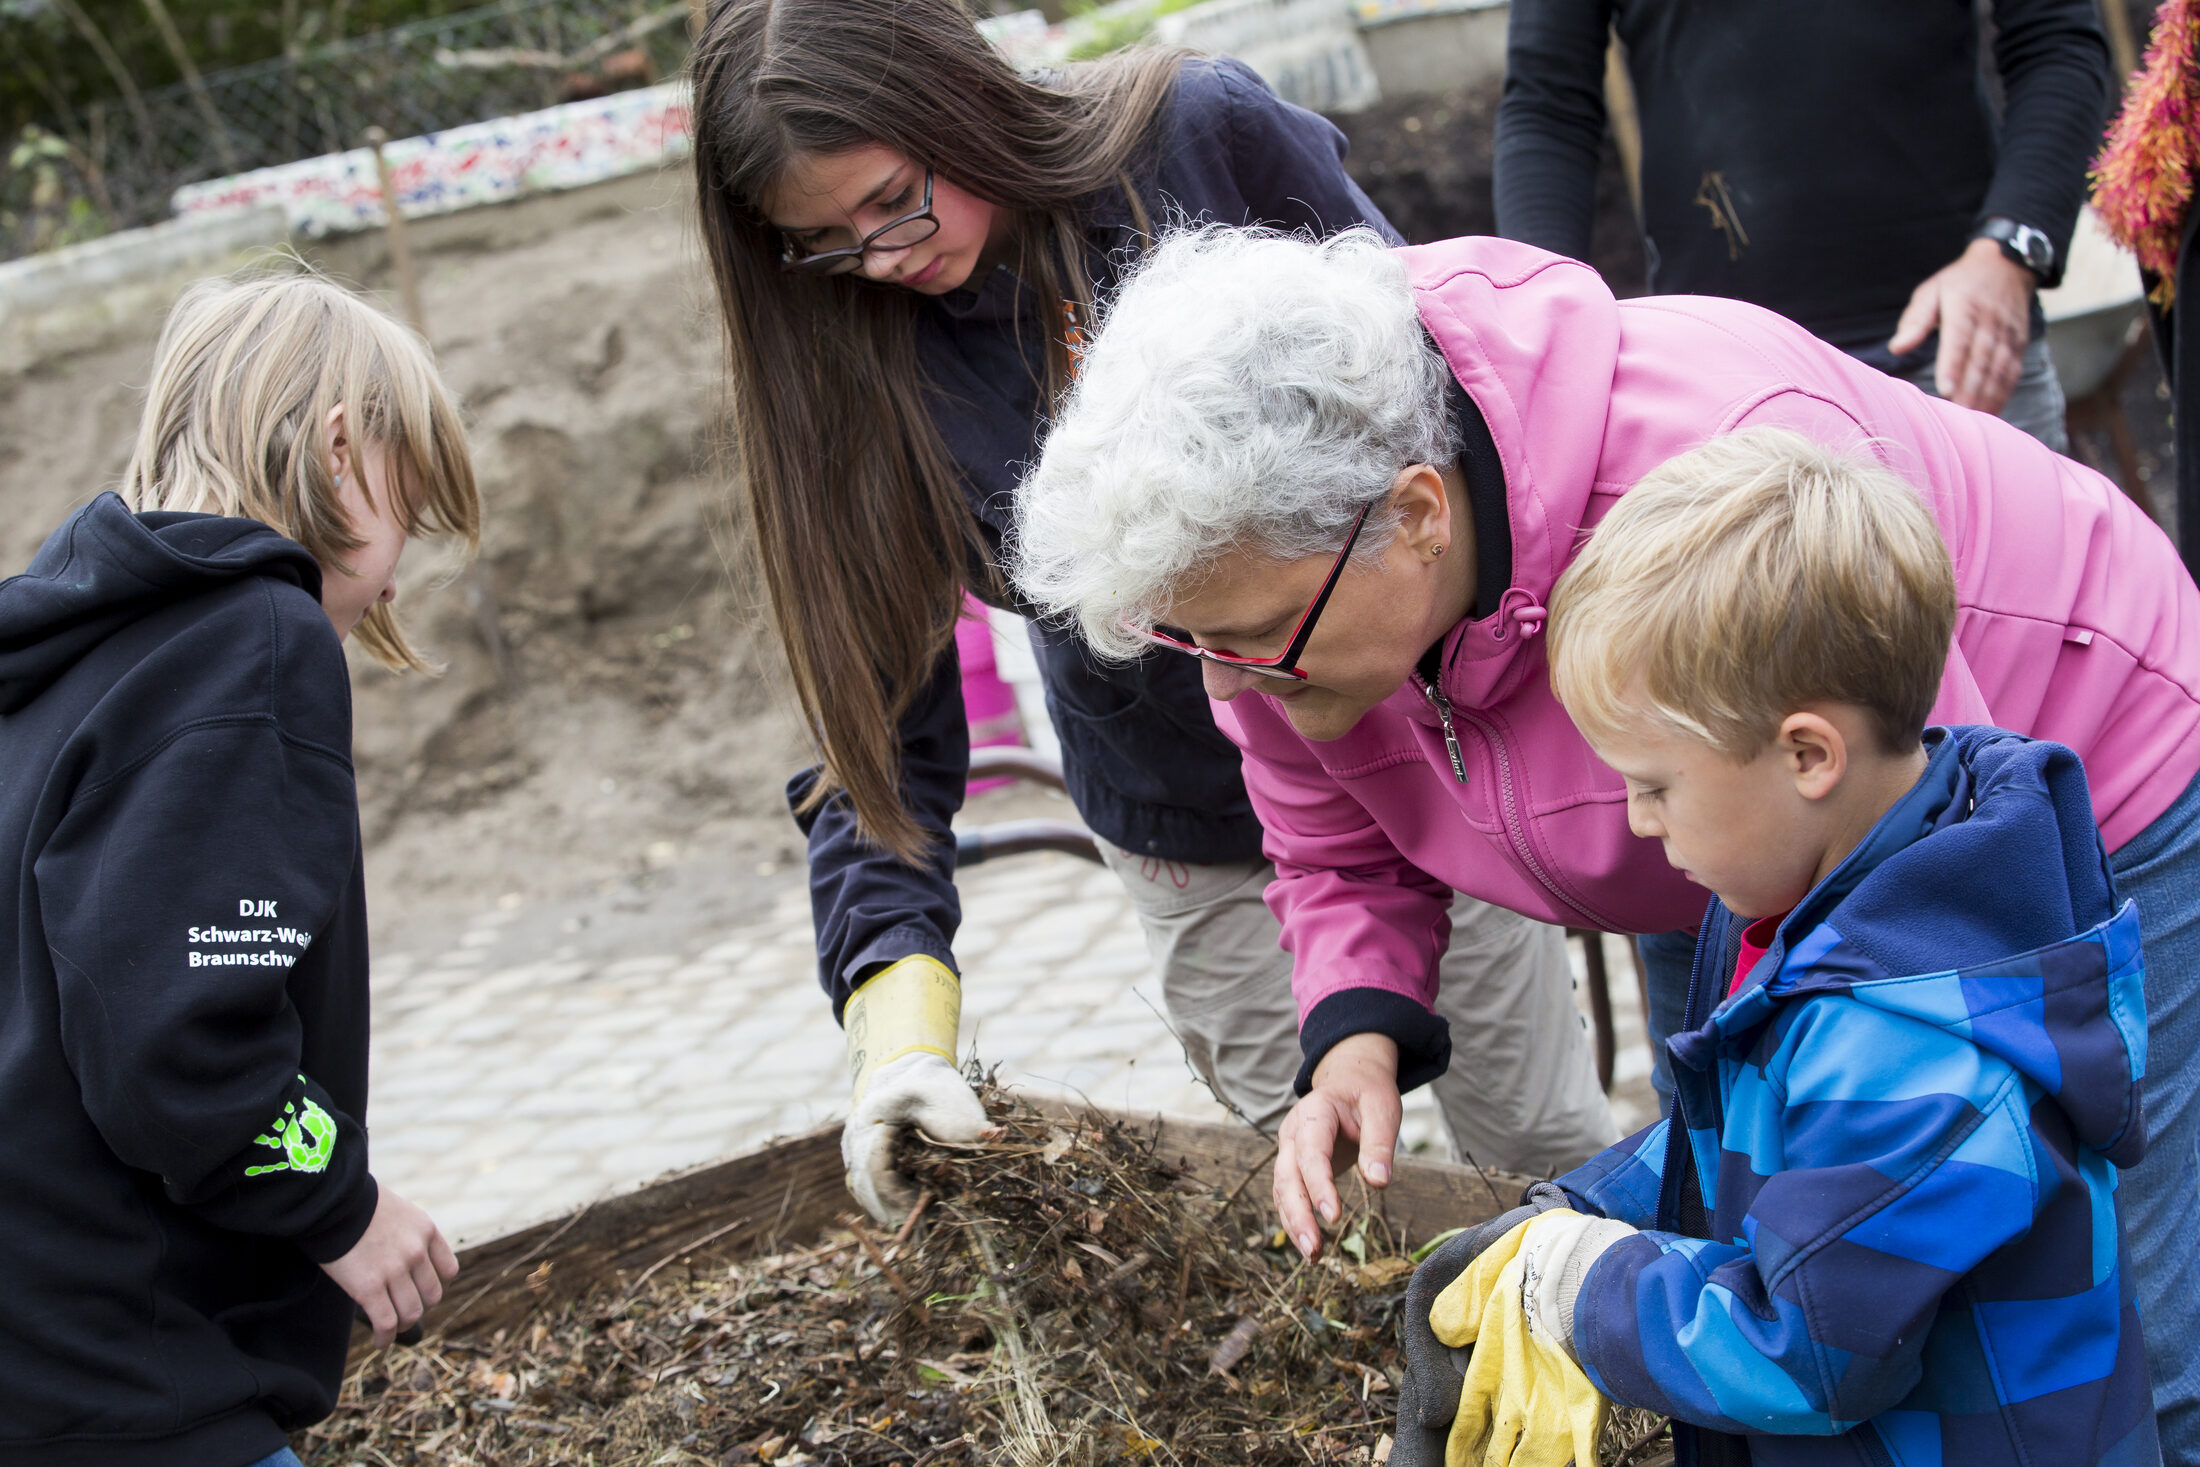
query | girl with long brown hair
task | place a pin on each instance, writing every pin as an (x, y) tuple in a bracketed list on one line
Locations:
[(908, 239)]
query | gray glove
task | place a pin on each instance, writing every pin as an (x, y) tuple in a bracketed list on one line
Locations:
[(1429, 1397)]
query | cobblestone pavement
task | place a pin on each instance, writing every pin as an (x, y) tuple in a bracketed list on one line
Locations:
[(515, 1080)]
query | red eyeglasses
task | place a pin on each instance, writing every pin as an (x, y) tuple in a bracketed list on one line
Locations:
[(1285, 664)]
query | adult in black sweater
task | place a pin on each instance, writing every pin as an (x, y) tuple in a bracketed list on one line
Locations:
[(1838, 162)]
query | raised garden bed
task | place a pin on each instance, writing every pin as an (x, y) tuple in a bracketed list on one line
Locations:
[(1085, 1287)]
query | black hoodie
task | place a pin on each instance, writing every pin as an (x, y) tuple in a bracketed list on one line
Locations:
[(183, 1003)]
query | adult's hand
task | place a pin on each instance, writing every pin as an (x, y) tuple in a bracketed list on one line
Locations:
[(1982, 306), (1353, 1104)]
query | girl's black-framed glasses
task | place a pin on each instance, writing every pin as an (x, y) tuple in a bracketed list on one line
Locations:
[(1286, 663), (895, 234)]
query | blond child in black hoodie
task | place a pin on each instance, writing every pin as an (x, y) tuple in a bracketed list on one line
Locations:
[(186, 1213)]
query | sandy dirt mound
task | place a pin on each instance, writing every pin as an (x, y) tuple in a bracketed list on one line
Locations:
[(622, 767), (636, 728)]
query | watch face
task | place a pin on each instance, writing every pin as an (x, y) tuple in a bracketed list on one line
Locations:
[(2038, 253), (2024, 244)]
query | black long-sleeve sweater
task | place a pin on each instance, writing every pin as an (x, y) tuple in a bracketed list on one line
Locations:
[(183, 996), (1817, 159)]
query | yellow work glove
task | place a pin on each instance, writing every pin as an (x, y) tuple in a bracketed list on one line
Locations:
[(1525, 1402), (901, 1063)]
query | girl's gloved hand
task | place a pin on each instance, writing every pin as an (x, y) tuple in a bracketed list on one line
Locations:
[(901, 1057)]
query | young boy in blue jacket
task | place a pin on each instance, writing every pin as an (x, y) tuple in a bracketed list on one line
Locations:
[(1879, 1225)]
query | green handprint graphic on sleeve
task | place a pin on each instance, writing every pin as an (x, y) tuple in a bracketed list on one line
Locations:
[(306, 1138)]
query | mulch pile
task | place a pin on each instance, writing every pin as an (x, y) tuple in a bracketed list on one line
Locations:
[(1062, 1295)]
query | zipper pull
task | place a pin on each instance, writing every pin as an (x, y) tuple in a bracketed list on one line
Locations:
[(1442, 704)]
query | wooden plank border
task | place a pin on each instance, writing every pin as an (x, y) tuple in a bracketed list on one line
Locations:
[(790, 1191)]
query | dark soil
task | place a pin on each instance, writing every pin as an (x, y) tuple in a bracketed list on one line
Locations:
[(1063, 1295)]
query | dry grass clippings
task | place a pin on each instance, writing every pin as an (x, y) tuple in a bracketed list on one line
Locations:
[(1064, 1296)]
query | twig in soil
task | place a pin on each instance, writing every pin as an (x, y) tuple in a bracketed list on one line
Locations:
[(909, 1223), (443, 1326), (683, 1251), (878, 1258), (1183, 1286), (1642, 1443), (1250, 1173)]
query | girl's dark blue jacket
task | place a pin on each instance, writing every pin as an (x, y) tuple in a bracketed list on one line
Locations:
[(1145, 764), (183, 995)]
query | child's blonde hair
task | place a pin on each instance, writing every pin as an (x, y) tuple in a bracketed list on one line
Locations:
[(246, 373), (1745, 579)]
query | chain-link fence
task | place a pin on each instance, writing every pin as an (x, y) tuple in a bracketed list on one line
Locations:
[(511, 57)]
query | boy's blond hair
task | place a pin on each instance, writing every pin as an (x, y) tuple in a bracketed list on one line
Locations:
[(245, 375), (1745, 579)]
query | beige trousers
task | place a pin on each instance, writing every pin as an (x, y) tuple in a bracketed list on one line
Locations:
[(1521, 1093)]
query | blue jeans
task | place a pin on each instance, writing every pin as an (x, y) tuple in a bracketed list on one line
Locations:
[(1668, 962), (284, 1458), (2159, 1199)]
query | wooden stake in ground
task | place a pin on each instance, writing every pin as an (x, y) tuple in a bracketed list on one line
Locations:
[(480, 598), (401, 261)]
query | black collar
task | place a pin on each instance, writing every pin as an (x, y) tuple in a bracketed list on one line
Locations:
[(1485, 476)]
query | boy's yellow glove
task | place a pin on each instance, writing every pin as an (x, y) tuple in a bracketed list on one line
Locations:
[(1525, 1402), (901, 1059)]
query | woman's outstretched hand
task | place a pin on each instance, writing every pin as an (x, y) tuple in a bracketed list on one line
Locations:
[(1353, 1107)]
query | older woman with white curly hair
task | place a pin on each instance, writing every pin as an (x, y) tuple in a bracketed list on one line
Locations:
[(1347, 477)]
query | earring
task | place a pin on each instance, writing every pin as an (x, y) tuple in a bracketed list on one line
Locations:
[(1436, 550)]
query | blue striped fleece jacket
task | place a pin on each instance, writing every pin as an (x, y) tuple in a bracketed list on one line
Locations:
[(1882, 1228)]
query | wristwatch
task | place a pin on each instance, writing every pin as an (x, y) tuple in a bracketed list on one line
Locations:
[(2029, 247)]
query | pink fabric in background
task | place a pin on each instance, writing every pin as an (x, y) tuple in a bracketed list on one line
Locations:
[(988, 702)]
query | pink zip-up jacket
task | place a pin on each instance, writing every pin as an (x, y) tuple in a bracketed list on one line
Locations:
[(2077, 624)]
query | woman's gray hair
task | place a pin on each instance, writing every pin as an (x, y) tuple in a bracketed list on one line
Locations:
[(1246, 391)]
